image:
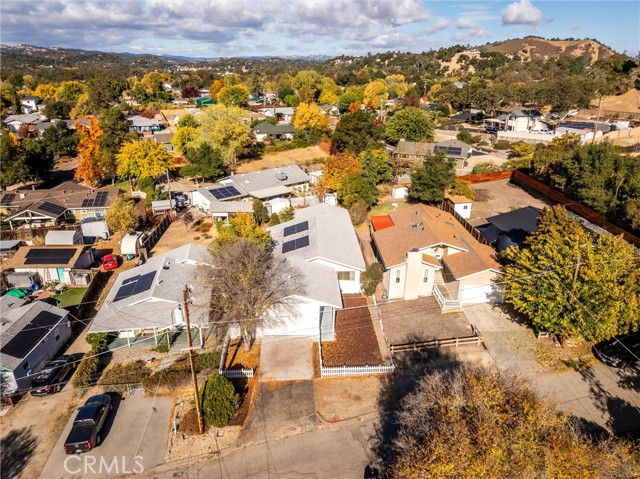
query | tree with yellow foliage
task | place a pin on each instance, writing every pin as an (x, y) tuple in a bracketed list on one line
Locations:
[(309, 116), (337, 167), (46, 91), (374, 93), (89, 167), (143, 159), (327, 97)]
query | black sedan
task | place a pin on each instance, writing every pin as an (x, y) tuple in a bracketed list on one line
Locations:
[(619, 351), (51, 379)]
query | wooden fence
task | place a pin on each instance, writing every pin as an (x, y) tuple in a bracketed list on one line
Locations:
[(30, 234), (447, 206), (484, 177), (154, 235), (475, 339), (572, 205)]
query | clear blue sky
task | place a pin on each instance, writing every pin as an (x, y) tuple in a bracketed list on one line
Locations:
[(213, 28)]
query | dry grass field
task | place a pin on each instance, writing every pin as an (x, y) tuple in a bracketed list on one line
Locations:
[(300, 156)]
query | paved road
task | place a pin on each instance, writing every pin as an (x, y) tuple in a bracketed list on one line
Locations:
[(604, 396), (133, 438), (325, 453)]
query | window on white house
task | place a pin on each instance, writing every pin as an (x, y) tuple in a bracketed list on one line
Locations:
[(398, 276), (425, 277), (346, 275), (465, 207)]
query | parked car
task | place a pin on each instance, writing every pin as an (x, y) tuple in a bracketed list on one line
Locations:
[(619, 351), (85, 433), (109, 261), (51, 379)]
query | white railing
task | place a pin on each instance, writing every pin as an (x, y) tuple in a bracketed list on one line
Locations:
[(445, 303), (342, 371), (236, 373)]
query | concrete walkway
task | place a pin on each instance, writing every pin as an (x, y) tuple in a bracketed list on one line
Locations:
[(286, 358), (603, 396)]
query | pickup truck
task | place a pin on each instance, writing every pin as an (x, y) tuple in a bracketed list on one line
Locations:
[(85, 433)]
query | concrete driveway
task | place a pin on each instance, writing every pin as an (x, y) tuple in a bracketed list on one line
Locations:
[(286, 358), (133, 440)]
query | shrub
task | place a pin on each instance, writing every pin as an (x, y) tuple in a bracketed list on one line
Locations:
[(204, 227), (126, 373), (358, 212), (371, 278), (462, 188), (86, 371), (206, 361), (486, 167), (476, 139), (465, 137), (286, 214), (219, 400), (189, 423), (274, 219), (98, 341), (502, 145)]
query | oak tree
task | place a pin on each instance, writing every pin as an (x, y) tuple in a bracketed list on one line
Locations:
[(410, 124), (143, 159), (225, 130)]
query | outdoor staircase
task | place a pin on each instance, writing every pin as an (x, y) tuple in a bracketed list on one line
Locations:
[(441, 291)]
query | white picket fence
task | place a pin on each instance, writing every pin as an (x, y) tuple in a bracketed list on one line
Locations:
[(342, 371), (236, 373)]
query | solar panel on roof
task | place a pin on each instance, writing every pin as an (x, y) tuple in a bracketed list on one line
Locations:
[(52, 208), (135, 285), (101, 199), (295, 244), (454, 151), (49, 256), (289, 230), (87, 203), (7, 199), (31, 334), (224, 192)]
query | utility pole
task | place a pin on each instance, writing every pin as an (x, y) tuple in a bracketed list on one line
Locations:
[(169, 190), (194, 377)]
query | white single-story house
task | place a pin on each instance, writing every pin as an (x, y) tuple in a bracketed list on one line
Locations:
[(32, 103), (147, 300), (264, 131), (416, 152), (321, 244), (425, 251), (30, 335), (284, 114), (276, 205)]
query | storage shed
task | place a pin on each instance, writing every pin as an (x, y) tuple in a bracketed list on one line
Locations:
[(63, 237)]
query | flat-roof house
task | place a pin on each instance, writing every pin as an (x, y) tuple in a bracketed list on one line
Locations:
[(264, 131), (415, 152), (321, 244), (68, 201), (426, 251), (30, 335), (68, 264), (146, 300)]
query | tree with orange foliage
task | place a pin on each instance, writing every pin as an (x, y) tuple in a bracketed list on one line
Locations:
[(355, 106), (337, 167), (89, 155)]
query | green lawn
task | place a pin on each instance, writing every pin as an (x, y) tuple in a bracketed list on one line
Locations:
[(385, 208), (70, 297)]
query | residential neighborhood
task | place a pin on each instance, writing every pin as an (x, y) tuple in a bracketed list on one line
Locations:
[(305, 253)]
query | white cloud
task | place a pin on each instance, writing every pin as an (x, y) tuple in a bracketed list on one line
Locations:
[(436, 27), (521, 12), (469, 30)]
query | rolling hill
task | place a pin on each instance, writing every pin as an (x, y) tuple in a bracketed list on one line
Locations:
[(536, 48)]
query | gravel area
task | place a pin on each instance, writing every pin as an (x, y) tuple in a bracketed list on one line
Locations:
[(421, 320), (502, 196)]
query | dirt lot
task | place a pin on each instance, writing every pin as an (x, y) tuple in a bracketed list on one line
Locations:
[(344, 398), (501, 196), (355, 342), (300, 156), (630, 102), (421, 320), (179, 234)]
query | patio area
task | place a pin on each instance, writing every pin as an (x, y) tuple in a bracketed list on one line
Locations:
[(421, 320)]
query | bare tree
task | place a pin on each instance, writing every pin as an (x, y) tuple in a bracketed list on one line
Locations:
[(252, 288), (187, 218)]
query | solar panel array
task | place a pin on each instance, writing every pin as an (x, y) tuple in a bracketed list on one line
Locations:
[(224, 192), (52, 208), (135, 285), (7, 199), (449, 150), (60, 256), (31, 334), (99, 200), (295, 244), (290, 230)]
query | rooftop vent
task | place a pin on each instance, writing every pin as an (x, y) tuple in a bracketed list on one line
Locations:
[(281, 176), (417, 225)]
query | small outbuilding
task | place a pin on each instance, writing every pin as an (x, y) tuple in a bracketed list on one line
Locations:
[(131, 243), (63, 237)]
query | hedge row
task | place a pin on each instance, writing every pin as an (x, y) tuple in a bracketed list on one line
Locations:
[(90, 364)]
